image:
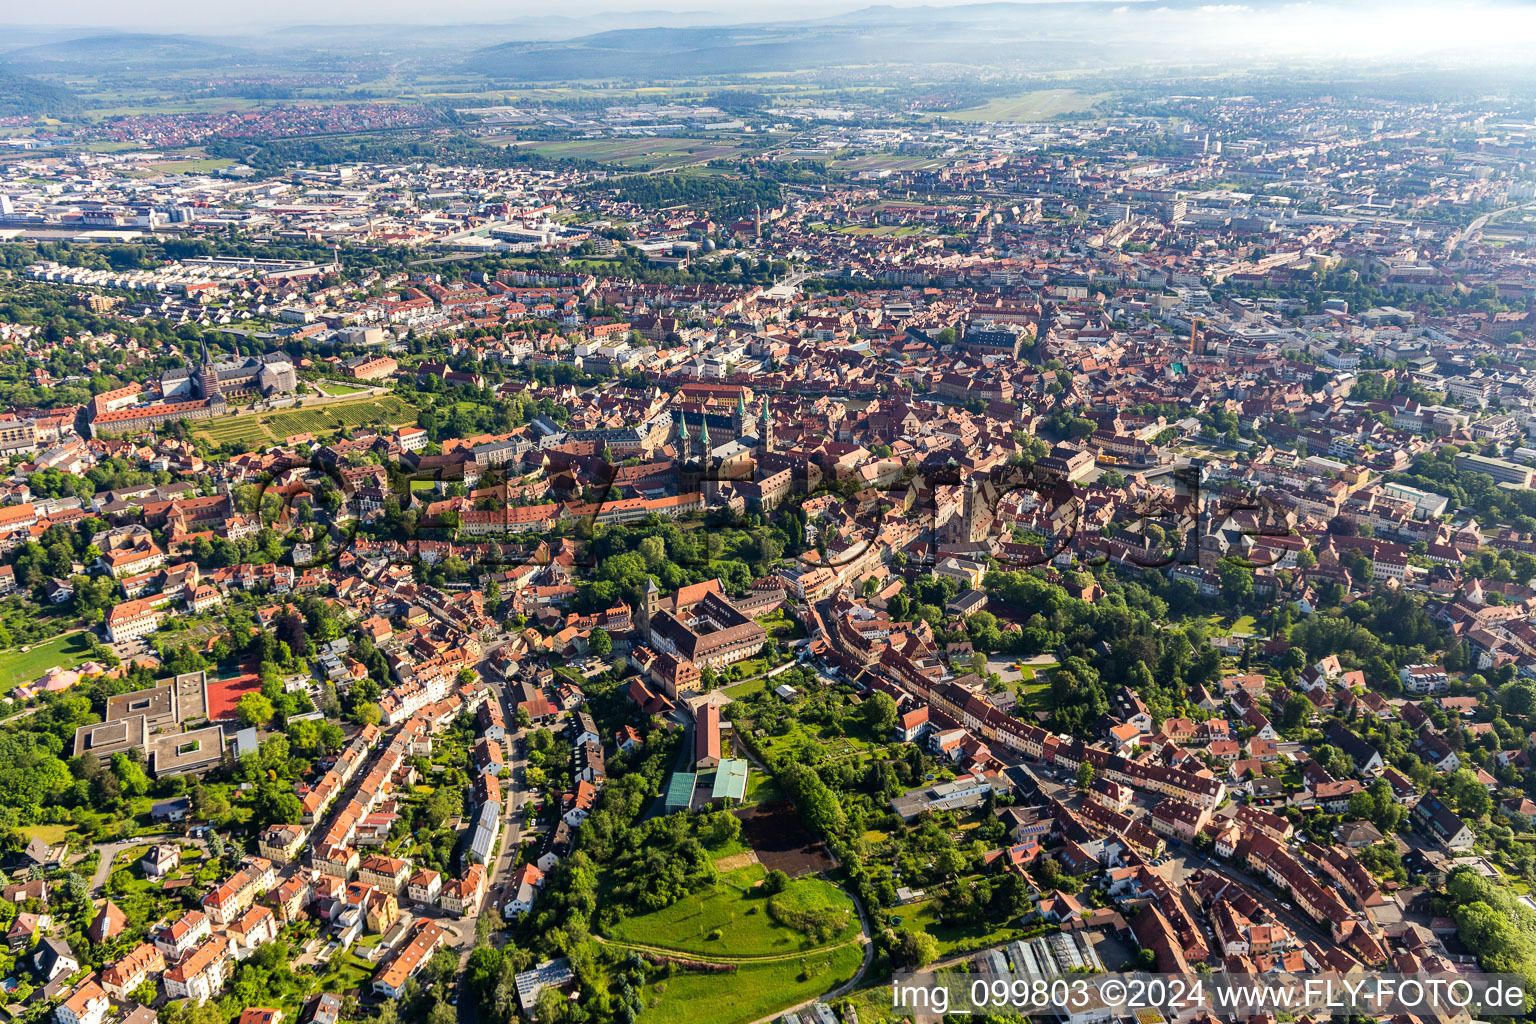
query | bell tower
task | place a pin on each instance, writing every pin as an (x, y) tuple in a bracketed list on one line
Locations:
[(978, 519), (648, 608)]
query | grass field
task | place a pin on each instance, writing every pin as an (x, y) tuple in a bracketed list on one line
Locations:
[(18, 666), (202, 166), (734, 848), (741, 918), (1219, 625), (346, 972), (881, 231), (664, 153), (762, 789), (744, 689), (53, 835), (1036, 105), (320, 420), (1033, 692), (330, 387), (752, 992)]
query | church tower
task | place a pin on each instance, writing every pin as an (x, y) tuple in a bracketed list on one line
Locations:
[(740, 420), (208, 377), (689, 470), (972, 521), (648, 608), (978, 519), (767, 431)]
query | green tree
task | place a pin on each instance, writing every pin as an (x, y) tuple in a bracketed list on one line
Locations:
[(879, 713), (1294, 713), (817, 804), (1236, 582), (130, 775), (254, 709), (275, 804), (910, 950)]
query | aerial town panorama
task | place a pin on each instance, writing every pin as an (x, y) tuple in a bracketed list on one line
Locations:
[(628, 516)]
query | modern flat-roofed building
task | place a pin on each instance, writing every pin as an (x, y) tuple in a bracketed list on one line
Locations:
[(150, 721), (17, 436), (529, 984), (170, 701), (1503, 471), (103, 739), (186, 753)]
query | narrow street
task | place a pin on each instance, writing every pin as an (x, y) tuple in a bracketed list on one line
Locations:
[(109, 852), (506, 858), (511, 841)]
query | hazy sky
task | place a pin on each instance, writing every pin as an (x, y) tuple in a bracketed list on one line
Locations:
[(199, 15), (1497, 31)]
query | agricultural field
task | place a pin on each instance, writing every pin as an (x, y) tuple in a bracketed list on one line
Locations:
[(1036, 105), (884, 162), (660, 154), (320, 420), (732, 919), (236, 430), (24, 664)]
